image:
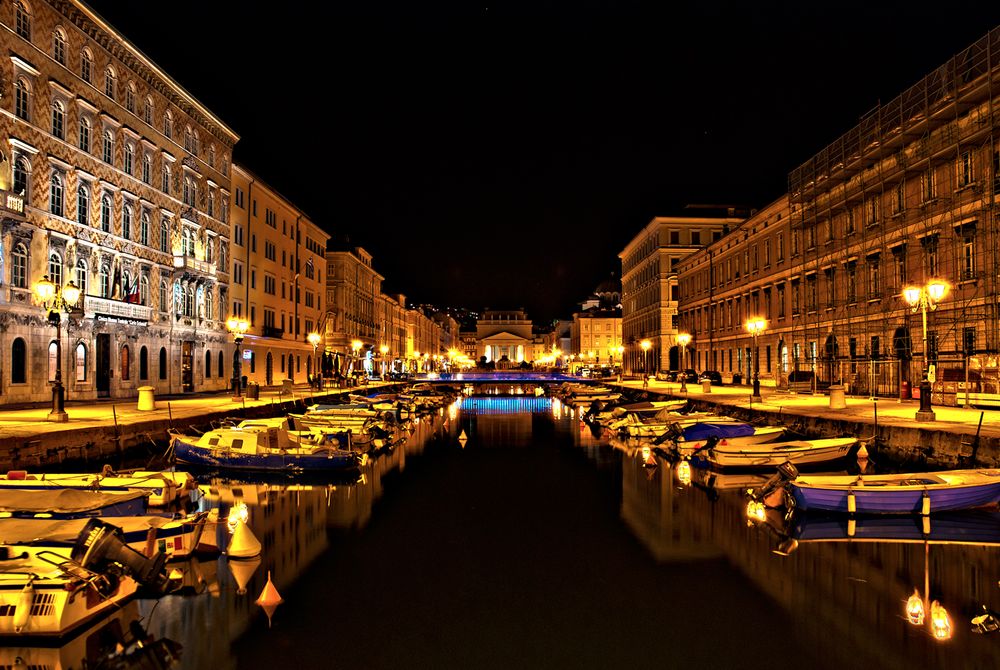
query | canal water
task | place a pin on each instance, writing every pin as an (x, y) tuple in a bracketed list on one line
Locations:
[(534, 543)]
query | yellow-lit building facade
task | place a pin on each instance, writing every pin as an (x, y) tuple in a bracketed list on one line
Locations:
[(649, 284), (278, 273), (352, 332), (595, 336), (116, 178)]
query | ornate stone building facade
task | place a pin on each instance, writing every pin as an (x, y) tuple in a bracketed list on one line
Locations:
[(907, 196), (278, 280), (116, 178)]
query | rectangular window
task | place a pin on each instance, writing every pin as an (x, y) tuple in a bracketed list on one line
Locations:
[(781, 301), (928, 185), (964, 169), (695, 238), (852, 283), (675, 237), (874, 277), (781, 247), (930, 244), (969, 255), (875, 352)]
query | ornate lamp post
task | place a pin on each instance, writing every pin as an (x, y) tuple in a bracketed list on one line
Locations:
[(755, 326), (645, 345), (56, 300), (238, 328), (683, 339), (925, 298), (355, 348), (314, 339)]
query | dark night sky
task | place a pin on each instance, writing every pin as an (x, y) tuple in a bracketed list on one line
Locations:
[(502, 155)]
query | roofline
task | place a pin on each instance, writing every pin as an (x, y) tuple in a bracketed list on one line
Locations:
[(148, 62)]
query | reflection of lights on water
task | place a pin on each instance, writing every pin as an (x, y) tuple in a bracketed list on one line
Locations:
[(646, 453), (940, 623), (915, 609), (239, 512), (684, 472), (756, 511), (453, 410)]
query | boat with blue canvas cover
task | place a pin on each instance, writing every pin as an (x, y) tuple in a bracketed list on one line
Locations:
[(262, 447), (907, 493), (70, 503)]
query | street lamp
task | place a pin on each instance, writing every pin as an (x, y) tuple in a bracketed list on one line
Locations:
[(645, 345), (238, 328), (683, 339), (55, 300), (925, 298), (384, 350), (314, 339), (755, 326)]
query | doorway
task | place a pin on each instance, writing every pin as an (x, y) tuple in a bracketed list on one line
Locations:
[(187, 366), (103, 365)]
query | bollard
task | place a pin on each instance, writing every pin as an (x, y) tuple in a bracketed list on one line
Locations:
[(147, 399), (838, 400), (706, 386)]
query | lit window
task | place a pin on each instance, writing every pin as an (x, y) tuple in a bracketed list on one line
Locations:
[(59, 46)]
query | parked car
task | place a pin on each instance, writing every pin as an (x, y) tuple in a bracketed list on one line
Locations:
[(713, 376), (666, 376), (689, 375)]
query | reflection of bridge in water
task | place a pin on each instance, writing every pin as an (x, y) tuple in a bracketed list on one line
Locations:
[(846, 598)]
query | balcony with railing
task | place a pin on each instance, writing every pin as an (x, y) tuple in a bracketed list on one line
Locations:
[(271, 331), (116, 309), (189, 263)]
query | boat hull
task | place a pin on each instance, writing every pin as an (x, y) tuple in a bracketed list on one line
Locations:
[(331, 461), (910, 501), (773, 455)]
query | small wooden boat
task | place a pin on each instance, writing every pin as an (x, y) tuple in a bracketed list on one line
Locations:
[(635, 426), (773, 454), (163, 487), (697, 436), (261, 448), (907, 493)]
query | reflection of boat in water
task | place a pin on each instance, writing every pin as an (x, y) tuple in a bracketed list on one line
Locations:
[(725, 481), (116, 641), (973, 527)]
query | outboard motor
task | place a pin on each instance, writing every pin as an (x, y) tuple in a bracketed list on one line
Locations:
[(672, 433), (771, 493), (101, 547)]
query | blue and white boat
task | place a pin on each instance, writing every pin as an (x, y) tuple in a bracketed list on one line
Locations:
[(908, 493), (70, 503), (262, 447)]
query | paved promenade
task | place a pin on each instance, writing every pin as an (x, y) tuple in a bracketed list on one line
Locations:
[(859, 409)]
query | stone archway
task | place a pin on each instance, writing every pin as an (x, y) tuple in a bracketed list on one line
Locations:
[(902, 348), (674, 357)]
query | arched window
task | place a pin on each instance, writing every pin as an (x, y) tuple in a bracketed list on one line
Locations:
[(147, 168), (147, 112), (81, 275), (105, 276), (211, 155), (84, 143), (81, 362), (109, 147), (209, 307), (195, 143), (56, 194), (86, 65), (143, 364), (163, 363), (143, 290), (208, 364), (222, 360), (144, 228), (129, 157), (109, 83), (58, 119), (59, 46), (130, 97), (22, 19), (125, 291), (18, 362), (189, 301), (125, 363), (188, 139), (164, 297), (211, 203), (164, 235), (127, 222), (165, 181), (22, 100), (22, 170), (53, 359), (168, 124), (106, 213), (56, 269), (83, 205), (19, 267)]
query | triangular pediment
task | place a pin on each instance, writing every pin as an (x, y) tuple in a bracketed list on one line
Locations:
[(503, 335)]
